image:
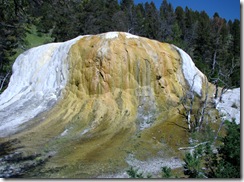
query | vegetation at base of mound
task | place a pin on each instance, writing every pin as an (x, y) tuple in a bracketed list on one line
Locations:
[(206, 160)]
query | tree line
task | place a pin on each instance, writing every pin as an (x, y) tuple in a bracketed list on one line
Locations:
[(212, 42)]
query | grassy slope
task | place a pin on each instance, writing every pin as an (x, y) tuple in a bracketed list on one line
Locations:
[(33, 39)]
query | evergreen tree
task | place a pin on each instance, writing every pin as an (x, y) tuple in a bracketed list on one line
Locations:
[(192, 166), (176, 35), (190, 31), (166, 172), (180, 18), (119, 20), (217, 24), (127, 6), (152, 21), (140, 16), (235, 49), (65, 22), (203, 46), (110, 7), (229, 165), (167, 16), (225, 163), (13, 20)]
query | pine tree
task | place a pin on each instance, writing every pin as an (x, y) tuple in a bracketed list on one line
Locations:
[(192, 166), (13, 20), (180, 18), (152, 21), (167, 16), (235, 32), (108, 10), (127, 6), (226, 163), (203, 46), (140, 16)]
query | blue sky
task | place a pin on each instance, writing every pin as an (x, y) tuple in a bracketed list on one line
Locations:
[(228, 9)]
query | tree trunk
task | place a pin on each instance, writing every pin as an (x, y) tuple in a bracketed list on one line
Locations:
[(203, 111), (221, 94), (200, 118), (220, 126), (214, 61), (3, 81), (189, 120), (216, 90)]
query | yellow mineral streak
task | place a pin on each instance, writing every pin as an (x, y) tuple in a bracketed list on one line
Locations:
[(94, 126)]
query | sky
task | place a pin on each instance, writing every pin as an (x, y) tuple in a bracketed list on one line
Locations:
[(228, 9)]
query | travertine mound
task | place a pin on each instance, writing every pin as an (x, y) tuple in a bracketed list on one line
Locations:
[(90, 98)]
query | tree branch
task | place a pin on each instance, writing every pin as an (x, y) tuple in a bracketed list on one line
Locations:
[(3, 80), (191, 148)]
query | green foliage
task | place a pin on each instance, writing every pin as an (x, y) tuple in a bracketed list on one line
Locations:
[(34, 38), (229, 152), (13, 20), (10, 35), (226, 162), (166, 172), (133, 173), (192, 166), (204, 161), (231, 148), (149, 176), (152, 21), (206, 134), (222, 164)]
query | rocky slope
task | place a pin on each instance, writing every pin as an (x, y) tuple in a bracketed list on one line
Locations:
[(230, 106), (89, 103)]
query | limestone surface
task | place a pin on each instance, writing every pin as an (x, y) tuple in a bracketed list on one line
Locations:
[(96, 99)]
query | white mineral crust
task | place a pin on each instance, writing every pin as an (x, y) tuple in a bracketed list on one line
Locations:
[(39, 75)]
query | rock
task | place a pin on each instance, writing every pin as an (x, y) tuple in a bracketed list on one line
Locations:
[(230, 105), (16, 165), (93, 94)]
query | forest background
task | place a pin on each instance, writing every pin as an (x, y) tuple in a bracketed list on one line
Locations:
[(212, 42)]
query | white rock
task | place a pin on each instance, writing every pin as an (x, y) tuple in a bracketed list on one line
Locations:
[(111, 35), (230, 105), (191, 73), (131, 36), (39, 75)]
